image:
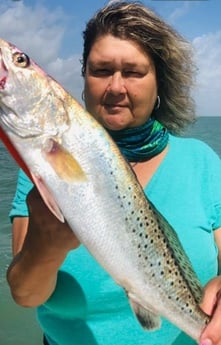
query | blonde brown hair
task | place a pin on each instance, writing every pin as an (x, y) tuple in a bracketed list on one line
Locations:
[(171, 53)]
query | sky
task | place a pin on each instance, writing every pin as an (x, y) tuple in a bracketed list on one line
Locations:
[(50, 32)]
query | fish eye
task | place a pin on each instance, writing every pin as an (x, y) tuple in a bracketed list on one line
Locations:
[(21, 60)]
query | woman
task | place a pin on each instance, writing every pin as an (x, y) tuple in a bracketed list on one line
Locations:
[(137, 70)]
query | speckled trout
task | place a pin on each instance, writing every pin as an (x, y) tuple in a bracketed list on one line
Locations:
[(84, 179)]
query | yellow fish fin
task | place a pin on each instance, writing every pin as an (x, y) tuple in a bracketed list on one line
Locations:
[(63, 162)]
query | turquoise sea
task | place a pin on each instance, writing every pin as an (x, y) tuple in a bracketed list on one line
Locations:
[(18, 325)]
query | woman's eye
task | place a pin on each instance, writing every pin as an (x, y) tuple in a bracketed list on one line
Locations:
[(101, 72), (21, 60), (135, 74)]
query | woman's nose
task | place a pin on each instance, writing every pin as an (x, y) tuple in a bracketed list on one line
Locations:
[(116, 84)]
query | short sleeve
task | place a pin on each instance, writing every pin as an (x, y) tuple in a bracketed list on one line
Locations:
[(214, 167), (19, 206)]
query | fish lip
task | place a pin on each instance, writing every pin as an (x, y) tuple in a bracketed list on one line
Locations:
[(3, 72)]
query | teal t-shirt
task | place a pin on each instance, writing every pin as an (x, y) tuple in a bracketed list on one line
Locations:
[(87, 307)]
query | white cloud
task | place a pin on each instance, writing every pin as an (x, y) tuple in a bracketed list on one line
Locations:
[(179, 12), (40, 33), (208, 59), (36, 30), (68, 73)]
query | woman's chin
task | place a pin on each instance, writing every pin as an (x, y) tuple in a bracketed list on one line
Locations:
[(115, 122)]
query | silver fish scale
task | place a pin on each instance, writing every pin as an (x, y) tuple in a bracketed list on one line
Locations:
[(161, 255)]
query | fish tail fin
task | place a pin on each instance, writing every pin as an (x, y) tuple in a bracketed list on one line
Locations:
[(148, 319)]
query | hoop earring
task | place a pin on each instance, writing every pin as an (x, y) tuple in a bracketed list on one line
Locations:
[(82, 96), (157, 105)]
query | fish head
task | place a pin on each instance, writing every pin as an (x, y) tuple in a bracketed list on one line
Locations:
[(29, 97)]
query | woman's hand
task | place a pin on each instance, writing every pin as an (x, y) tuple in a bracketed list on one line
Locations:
[(211, 305), (41, 245)]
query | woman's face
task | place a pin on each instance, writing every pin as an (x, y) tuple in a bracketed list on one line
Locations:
[(120, 83)]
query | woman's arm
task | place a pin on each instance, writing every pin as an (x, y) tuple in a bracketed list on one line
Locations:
[(211, 303), (19, 231), (40, 245)]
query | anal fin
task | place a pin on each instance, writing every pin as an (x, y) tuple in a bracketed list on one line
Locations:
[(148, 319)]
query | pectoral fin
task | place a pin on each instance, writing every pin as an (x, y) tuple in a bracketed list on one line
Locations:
[(147, 318), (63, 162), (47, 197)]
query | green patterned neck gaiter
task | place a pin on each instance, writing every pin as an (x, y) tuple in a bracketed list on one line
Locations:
[(141, 143)]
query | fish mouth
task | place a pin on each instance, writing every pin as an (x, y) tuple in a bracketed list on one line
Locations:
[(3, 72)]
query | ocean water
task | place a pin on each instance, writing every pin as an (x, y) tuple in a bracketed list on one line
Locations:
[(18, 325)]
